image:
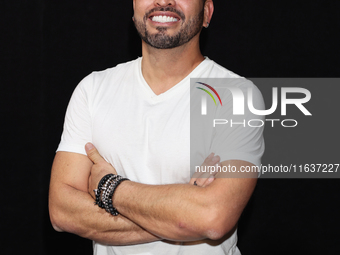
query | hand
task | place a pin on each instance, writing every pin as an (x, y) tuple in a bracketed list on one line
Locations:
[(204, 179), (99, 169)]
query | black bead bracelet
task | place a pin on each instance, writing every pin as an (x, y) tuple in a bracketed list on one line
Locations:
[(110, 207), (97, 191), (105, 191)]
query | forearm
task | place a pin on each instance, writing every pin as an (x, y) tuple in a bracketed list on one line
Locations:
[(179, 212), (173, 212), (73, 211), (187, 212)]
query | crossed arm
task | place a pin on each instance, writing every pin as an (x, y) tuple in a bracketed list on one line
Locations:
[(71, 206), (179, 212)]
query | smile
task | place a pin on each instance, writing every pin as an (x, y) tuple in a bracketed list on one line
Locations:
[(163, 19)]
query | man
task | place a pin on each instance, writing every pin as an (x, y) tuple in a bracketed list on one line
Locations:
[(137, 116)]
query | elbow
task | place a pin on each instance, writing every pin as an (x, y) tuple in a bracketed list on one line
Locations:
[(59, 219), (217, 224), (212, 222), (65, 222), (216, 232), (56, 227), (55, 218), (55, 224), (65, 219)]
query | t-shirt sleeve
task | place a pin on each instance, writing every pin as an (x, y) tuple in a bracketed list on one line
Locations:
[(241, 138), (78, 124)]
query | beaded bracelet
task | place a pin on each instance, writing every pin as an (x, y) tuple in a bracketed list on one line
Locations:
[(105, 190), (98, 190), (110, 209), (108, 196)]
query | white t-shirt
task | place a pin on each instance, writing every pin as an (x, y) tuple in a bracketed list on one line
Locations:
[(147, 137)]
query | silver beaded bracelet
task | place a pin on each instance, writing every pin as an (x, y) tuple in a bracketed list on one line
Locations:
[(106, 191)]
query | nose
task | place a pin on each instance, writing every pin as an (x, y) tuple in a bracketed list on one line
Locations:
[(165, 3)]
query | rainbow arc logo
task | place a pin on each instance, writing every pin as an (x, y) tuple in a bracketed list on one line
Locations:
[(212, 89), (204, 100)]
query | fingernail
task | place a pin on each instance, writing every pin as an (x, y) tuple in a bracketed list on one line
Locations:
[(215, 159), (89, 146)]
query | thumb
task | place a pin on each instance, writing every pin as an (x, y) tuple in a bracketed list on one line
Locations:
[(93, 153)]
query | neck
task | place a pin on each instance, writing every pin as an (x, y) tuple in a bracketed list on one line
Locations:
[(164, 68)]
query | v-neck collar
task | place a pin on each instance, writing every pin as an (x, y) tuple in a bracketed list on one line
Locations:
[(183, 84)]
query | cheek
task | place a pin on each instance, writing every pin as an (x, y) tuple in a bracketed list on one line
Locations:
[(136, 10), (190, 5), (141, 7)]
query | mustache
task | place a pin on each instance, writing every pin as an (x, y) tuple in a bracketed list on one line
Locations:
[(165, 9)]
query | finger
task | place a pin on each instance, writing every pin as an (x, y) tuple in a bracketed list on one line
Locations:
[(211, 160), (207, 160), (208, 181), (194, 177), (210, 164), (216, 170), (201, 176), (93, 153), (202, 179)]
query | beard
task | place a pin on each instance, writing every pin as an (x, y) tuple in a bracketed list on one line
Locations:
[(161, 40)]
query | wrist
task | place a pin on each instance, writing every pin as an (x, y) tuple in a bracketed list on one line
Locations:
[(119, 197), (105, 191)]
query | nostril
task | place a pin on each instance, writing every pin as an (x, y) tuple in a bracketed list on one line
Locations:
[(165, 3)]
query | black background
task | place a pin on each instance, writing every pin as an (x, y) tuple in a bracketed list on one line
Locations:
[(47, 47)]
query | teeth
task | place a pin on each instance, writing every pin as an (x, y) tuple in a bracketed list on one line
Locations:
[(163, 19)]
